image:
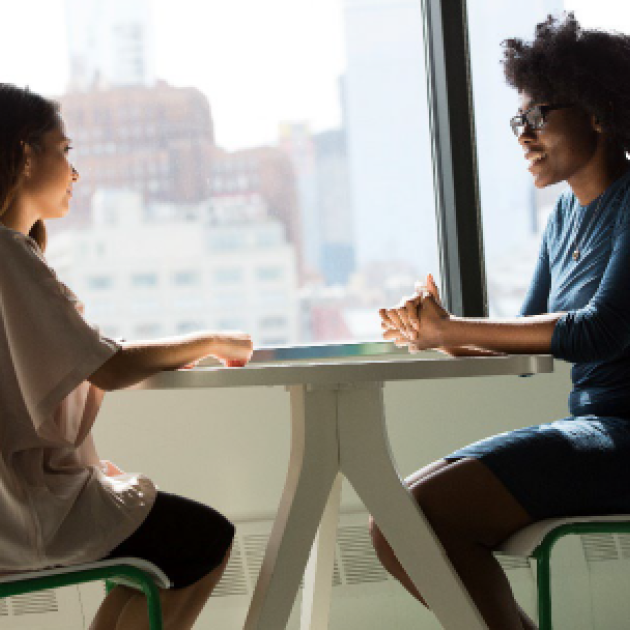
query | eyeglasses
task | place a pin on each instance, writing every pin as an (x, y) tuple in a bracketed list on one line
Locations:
[(535, 117)]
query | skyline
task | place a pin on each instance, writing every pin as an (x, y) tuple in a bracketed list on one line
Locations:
[(302, 86)]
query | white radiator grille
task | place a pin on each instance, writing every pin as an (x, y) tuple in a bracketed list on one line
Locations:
[(355, 561), (605, 547), (358, 560), (34, 603), (234, 581)]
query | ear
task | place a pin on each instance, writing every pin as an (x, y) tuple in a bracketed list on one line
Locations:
[(596, 123), (28, 153)]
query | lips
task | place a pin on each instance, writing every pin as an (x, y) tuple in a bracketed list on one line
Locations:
[(535, 158)]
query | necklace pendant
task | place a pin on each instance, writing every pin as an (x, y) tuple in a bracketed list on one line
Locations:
[(576, 254)]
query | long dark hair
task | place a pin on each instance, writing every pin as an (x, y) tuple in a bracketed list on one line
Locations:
[(24, 118), (568, 64)]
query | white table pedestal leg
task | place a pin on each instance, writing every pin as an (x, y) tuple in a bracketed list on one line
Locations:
[(313, 468), (367, 463), (321, 563)]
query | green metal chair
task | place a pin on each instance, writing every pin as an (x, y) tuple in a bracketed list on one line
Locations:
[(537, 541), (132, 572)]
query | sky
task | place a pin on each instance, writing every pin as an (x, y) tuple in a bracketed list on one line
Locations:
[(259, 63)]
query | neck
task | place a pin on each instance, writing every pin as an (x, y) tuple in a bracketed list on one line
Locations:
[(17, 220), (592, 180)]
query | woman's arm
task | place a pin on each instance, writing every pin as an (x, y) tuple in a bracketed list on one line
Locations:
[(466, 351), (139, 360), (524, 335)]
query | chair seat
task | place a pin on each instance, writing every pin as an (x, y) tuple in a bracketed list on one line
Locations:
[(159, 577), (527, 539)]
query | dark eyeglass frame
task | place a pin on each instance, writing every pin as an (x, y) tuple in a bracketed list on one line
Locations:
[(535, 117)]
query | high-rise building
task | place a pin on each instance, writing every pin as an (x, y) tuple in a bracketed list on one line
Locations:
[(263, 171), (110, 43), (320, 163), (334, 206), (155, 140), (219, 268), (388, 136)]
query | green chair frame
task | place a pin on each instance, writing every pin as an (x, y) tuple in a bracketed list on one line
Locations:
[(112, 574), (542, 555)]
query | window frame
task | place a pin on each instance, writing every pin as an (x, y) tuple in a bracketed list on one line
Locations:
[(455, 170)]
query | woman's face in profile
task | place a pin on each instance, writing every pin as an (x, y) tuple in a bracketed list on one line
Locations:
[(562, 147), (48, 186)]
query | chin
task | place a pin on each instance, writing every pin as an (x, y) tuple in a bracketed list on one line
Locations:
[(543, 182)]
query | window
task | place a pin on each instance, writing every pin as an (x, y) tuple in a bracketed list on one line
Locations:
[(513, 212), (186, 278), (99, 283), (147, 280), (228, 275), (271, 321), (147, 331), (327, 189), (189, 326), (269, 274)]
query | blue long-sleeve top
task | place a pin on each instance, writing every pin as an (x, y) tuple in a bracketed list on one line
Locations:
[(594, 294)]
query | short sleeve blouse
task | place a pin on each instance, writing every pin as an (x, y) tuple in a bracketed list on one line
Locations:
[(58, 505)]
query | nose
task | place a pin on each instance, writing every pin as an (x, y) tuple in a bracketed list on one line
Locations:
[(527, 136), (75, 175)]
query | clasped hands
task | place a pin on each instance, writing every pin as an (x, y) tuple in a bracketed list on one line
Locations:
[(418, 321)]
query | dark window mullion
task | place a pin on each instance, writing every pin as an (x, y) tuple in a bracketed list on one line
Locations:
[(454, 157)]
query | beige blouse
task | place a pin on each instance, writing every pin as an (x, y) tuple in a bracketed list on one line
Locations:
[(58, 506)]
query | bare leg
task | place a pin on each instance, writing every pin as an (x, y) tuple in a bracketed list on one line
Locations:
[(472, 512), (126, 609)]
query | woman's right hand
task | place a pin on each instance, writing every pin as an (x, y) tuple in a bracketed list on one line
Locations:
[(430, 286), (233, 349), (406, 317)]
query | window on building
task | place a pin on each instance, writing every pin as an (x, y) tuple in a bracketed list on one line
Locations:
[(189, 326), (98, 283), (269, 274), (144, 280), (271, 321), (186, 278), (228, 275), (148, 330)]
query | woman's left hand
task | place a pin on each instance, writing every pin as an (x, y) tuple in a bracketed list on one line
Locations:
[(110, 469), (418, 322)]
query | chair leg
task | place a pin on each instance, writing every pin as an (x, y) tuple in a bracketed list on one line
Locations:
[(154, 603), (543, 579)]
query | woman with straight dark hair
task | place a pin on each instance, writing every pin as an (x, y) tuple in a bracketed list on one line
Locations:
[(573, 125), (61, 505)]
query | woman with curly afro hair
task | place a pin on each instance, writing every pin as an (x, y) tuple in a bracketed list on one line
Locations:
[(573, 125)]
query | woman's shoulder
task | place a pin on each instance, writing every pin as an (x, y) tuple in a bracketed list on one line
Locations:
[(620, 201), (19, 243), (19, 251)]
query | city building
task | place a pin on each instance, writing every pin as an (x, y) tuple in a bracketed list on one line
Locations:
[(155, 140), (267, 172), (320, 162), (226, 265), (110, 43)]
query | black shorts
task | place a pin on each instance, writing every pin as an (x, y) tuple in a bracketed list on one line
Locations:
[(184, 538)]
